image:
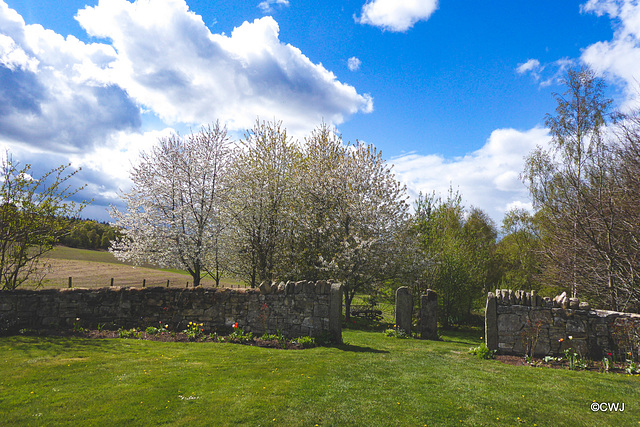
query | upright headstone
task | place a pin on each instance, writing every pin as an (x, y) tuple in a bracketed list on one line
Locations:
[(335, 312), (429, 315), (491, 322), (404, 308)]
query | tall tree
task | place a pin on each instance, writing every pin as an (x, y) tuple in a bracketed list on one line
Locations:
[(264, 172), (367, 218), (32, 218), (174, 209), (558, 176)]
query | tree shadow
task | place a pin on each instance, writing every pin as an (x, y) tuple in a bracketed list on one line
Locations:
[(358, 349)]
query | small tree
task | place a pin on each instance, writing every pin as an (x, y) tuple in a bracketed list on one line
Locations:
[(174, 209), (459, 249), (32, 212)]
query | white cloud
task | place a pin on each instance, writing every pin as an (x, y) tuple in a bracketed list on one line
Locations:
[(55, 93), (265, 6), (487, 178), (396, 15), (547, 74), (618, 58), (61, 98), (354, 63), (532, 65), (170, 62)]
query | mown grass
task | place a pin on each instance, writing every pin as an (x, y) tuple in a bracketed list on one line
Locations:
[(371, 380)]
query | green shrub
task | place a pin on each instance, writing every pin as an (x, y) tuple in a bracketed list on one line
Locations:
[(397, 333), (128, 333), (306, 342), (482, 352)]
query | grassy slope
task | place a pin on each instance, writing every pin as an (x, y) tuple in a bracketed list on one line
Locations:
[(91, 268), (374, 380)]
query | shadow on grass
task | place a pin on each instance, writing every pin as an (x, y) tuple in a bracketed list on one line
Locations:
[(33, 345), (358, 349)]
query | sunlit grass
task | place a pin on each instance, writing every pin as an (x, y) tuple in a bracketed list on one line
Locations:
[(370, 380)]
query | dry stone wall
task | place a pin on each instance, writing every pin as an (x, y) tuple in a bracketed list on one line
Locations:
[(295, 308), (519, 323)]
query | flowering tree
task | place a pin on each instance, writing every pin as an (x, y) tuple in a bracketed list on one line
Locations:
[(353, 212), (260, 203), (174, 209)]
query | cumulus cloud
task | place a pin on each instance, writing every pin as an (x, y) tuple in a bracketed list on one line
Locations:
[(618, 58), (170, 62), (354, 63), (62, 98), (265, 6), (487, 178), (53, 93), (397, 16)]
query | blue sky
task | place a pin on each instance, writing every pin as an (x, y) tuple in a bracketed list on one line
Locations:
[(454, 93)]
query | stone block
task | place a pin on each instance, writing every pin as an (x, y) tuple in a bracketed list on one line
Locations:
[(309, 288), (510, 323)]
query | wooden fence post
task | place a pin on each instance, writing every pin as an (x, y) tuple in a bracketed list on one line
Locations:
[(144, 282), (70, 282), (167, 283), (111, 282)]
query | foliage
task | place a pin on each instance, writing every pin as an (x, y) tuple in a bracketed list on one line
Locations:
[(128, 333), (88, 234), (31, 218), (239, 336), (353, 214), (260, 201), (306, 342), (517, 256), (459, 248), (173, 216), (482, 352), (194, 331), (584, 188), (396, 333)]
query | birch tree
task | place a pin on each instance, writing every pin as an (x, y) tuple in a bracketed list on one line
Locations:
[(174, 215), (558, 178)]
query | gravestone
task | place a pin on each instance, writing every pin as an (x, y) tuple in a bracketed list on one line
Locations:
[(404, 308), (429, 315), (491, 322)]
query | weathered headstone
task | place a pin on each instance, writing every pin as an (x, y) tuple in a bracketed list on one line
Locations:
[(335, 312), (429, 315), (404, 308), (491, 322)]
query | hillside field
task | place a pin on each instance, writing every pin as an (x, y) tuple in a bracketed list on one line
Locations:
[(94, 269)]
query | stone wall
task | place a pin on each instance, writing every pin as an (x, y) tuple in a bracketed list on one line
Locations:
[(517, 322), (295, 309)]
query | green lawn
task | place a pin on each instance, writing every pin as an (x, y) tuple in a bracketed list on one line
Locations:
[(372, 380)]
